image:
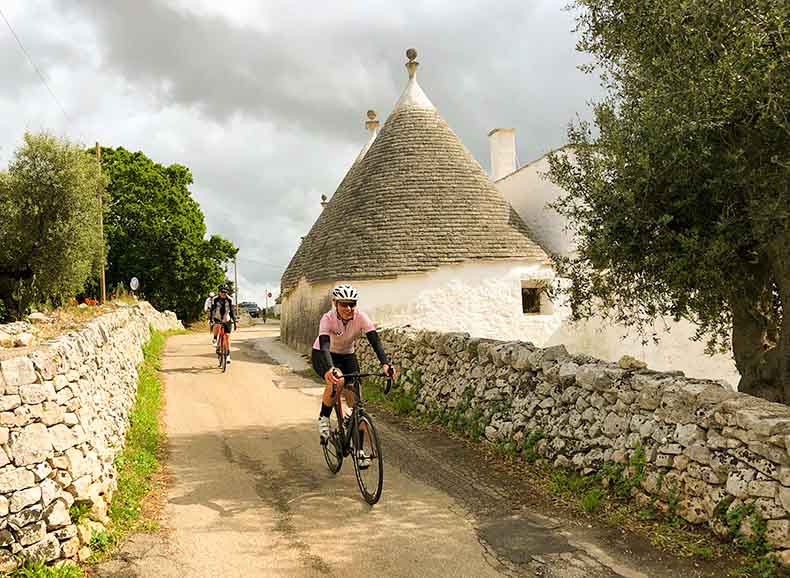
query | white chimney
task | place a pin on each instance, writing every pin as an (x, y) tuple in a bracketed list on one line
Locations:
[(502, 142)]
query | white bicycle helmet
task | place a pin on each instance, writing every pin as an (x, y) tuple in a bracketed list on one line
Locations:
[(345, 293)]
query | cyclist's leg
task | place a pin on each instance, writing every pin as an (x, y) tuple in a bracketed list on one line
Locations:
[(228, 329), (347, 364), (327, 399)]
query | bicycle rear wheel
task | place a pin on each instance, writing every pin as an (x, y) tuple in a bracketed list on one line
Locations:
[(370, 478)]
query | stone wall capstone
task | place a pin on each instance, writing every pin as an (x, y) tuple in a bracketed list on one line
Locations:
[(708, 449), (64, 411)]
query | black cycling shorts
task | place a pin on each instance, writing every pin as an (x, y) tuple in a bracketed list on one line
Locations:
[(345, 362), (227, 326)]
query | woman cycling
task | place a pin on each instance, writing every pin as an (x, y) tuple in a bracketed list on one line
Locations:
[(333, 350)]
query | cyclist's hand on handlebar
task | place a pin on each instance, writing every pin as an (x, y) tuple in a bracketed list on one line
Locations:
[(333, 376), (389, 371)]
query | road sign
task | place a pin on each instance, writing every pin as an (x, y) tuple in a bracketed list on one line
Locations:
[(134, 283)]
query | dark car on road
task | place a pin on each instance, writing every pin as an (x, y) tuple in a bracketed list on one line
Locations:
[(251, 308)]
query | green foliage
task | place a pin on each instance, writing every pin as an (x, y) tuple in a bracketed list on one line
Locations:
[(138, 461), (680, 196), (50, 238), (40, 570), (156, 233), (592, 499), (101, 541), (755, 544), (78, 511), (529, 449), (765, 567)]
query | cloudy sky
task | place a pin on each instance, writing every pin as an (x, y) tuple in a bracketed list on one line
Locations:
[(265, 100)]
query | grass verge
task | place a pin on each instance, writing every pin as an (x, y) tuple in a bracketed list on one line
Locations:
[(41, 570), (139, 461)]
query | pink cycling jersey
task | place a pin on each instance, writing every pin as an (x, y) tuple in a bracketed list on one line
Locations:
[(343, 337)]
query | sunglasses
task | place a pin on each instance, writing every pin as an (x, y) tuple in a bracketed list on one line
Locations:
[(349, 304)]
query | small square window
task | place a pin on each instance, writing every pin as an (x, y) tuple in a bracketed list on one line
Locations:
[(530, 300)]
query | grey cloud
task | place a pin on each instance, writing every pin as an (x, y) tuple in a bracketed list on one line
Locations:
[(268, 114)]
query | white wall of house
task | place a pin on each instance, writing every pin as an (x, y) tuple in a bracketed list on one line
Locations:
[(528, 191), (481, 298), (484, 299)]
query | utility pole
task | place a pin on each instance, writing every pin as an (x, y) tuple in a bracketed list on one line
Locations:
[(102, 282), (236, 283)]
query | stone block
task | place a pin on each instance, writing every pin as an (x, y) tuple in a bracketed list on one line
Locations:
[(770, 452), (4, 435), (33, 393), (663, 461), (57, 515), (66, 533), (49, 491), (63, 437), (593, 377), (31, 533), (769, 509), (15, 479), (614, 425), (699, 453), (4, 506), (45, 551), (738, 483), (783, 494), (41, 471), (62, 478), (84, 553), (692, 510), (778, 533), (762, 488), (10, 402), (70, 547), (18, 371), (673, 449), (689, 434), (31, 445), (24, 498), (52, 414), (762, 418), (60, 381)]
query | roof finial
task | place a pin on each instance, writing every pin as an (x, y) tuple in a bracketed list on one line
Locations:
[(413, 96), (412, 64), (372, 123)]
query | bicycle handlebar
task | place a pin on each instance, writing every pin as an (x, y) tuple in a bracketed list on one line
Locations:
[(387, 386)]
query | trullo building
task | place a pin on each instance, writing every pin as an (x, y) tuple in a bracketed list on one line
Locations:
[(417, 225)]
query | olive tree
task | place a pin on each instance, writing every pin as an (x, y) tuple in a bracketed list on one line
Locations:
[(49, 233), (678, 191)]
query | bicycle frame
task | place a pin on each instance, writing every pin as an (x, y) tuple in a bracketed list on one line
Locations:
[(356, 410), (346, 436)]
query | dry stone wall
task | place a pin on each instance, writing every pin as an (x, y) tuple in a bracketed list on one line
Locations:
[(63, 416), (707, 450)]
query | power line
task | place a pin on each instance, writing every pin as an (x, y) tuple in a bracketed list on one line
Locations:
[(33, 64)]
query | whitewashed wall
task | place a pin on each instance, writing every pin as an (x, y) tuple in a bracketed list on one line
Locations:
[(482, 298), (528, 191)]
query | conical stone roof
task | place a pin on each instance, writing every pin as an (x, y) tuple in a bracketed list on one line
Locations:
[(415, 201)]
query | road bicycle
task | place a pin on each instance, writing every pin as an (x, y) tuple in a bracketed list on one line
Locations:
[(223, 350), (356, 436)]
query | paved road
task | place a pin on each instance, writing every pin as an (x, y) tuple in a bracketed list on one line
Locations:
[(250, 494)]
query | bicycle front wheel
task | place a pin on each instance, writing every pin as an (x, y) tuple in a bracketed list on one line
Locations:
[(368, 461)]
